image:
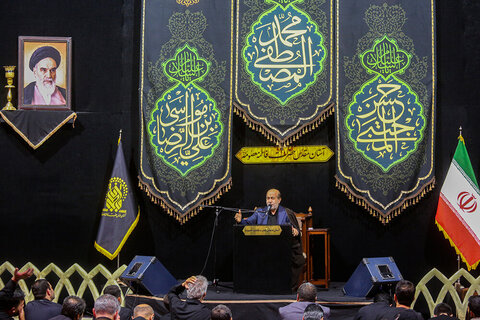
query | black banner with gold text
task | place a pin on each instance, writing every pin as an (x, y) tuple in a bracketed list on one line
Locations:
[(185, 103), (385, 119)]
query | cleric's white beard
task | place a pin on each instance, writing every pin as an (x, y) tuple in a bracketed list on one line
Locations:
[(46, 88)]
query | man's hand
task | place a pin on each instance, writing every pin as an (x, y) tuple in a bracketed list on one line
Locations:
[(17, 275), (238, 216), (189, 281), (294, 231)]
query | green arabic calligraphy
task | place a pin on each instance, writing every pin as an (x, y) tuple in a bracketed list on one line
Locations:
[(185, 126), (385, 118)]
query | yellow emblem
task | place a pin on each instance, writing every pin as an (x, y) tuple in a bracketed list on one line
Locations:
[(187, 2), (117, 193)]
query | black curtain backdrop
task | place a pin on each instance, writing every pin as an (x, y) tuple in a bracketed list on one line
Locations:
[(51, 198)]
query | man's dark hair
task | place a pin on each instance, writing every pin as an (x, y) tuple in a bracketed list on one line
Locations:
[(405, 292), (221, 312), (313, 312), (442, 308), (39, 288), (383, 297), (113, 290), (307, 292), (73, 306), (12, 301), (474, 305)]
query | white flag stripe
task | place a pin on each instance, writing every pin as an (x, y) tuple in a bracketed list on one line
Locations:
[(454, 184)]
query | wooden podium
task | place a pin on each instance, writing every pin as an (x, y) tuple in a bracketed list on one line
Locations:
[(262, 259)]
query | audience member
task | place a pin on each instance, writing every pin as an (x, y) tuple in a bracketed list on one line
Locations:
[(43, 307), (382, 303), (306, 295), (221, 312), (192, 308), (114, 290), (404, 296), (73, 308), (166, 304), (143, 312), (106, 307), (313, 312), (12, 298), (443, 311), (473, 311)]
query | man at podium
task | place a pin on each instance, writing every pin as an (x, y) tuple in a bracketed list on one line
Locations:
[(275, 214)]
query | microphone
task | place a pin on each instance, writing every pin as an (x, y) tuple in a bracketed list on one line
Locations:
[(269, 207)]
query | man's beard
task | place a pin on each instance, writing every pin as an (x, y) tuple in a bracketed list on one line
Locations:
[(46, 87)]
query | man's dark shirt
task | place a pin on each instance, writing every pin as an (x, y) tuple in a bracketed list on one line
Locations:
[(42, 310), (373, 311), (61, 317), (443, 317), (7, 292), (191, 309), (402, 314), (272, 218)]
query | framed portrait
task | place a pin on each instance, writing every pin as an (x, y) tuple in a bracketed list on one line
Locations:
[(44, 73)]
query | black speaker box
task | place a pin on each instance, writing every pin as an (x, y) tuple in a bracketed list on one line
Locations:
[(371, 275), (147, 276)]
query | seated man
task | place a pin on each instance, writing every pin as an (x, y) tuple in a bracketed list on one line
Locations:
[(382, 303), (114, 290), (192, 308), (42, 308), (313, 312), (443, 311), (143, 312), (404, 296), (106, 307), (473, 310), (221, 312), (306, 295), (275, 214), (73, 308), (12, 298)]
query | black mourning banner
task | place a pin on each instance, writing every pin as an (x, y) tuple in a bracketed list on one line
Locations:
[(385, 119), (186, 103), (284, 66)]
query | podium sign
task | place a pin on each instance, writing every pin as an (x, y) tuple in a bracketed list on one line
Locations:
[(262, 259)]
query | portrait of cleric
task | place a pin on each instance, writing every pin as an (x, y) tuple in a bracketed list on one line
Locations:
[(44, 78)]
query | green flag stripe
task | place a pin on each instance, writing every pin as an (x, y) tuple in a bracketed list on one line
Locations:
[(462, 158)]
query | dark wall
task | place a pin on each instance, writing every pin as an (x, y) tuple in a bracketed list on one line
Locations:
[(50, 199)]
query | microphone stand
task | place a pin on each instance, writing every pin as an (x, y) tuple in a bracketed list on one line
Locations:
[(218, 210)]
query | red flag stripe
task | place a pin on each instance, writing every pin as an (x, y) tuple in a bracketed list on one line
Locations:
[(460, 234)]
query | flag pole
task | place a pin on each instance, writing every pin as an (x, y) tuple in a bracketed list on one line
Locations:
[(458, 256), (119, 139), (120, 136)]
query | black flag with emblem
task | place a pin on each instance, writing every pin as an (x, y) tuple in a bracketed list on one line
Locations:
[(120, 212)]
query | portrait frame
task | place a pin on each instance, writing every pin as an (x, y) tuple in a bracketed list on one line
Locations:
[(35, 69)]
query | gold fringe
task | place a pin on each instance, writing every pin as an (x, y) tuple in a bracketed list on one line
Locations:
[(395, 211), (183, 218), (270, 136)]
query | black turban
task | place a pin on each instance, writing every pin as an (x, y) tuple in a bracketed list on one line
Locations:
[(42, 53)]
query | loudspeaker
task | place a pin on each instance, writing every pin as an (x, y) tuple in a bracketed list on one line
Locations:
[(371, 275), (146, 275)]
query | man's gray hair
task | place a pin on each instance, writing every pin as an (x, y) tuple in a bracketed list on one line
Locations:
[(313, 312), (307, 292), (107, 304), (221, 312), (197, 289)]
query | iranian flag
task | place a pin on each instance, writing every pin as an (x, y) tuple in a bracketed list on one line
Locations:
[(458, 212)]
